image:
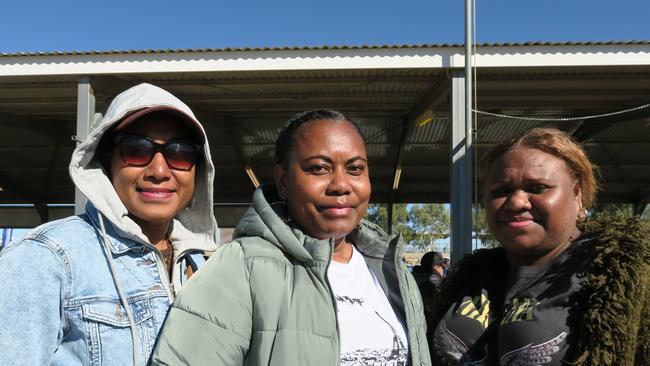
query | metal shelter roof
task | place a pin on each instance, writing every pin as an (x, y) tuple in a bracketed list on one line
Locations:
[(398, 94)]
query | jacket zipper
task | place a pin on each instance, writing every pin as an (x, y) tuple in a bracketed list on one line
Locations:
[(401, 282), (336, 312)]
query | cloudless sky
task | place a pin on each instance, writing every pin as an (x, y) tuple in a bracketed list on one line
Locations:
[(51, 25)]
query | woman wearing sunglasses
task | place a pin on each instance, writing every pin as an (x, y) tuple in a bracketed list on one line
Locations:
[(94, 289)]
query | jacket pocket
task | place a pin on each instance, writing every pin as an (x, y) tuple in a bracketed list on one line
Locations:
[(108, 331)]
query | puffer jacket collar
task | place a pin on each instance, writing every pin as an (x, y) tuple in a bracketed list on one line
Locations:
[(262, 220), (382, 254)]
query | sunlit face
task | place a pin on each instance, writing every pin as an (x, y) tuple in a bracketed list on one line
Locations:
[(326, 181), (153, 194), (531, 202)]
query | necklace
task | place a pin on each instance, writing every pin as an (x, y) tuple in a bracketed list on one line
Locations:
[(168, 254)]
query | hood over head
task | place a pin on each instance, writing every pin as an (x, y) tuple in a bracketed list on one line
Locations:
[(194, 227)]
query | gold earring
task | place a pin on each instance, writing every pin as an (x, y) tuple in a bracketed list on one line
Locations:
[(582, 214)]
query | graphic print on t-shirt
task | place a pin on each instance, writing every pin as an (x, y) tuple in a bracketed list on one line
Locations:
[(534, 327), (368, 354), (520, 310), (539, 309), (370, 333)]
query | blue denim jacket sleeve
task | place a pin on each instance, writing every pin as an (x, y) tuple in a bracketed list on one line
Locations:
[(34, 282)]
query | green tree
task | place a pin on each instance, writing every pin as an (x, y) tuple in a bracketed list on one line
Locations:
[(429, 223), (481, 231), (378, 214)]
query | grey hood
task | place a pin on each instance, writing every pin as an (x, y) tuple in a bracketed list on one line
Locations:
[(194, 228)]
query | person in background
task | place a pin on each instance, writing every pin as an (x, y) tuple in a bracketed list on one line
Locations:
[(561, 289), (94, 289), (429, 273), (445, 267), (428, 276), (305, 281)]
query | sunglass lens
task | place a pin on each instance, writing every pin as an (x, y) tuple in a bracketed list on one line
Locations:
[(136, 151), (181, 155)]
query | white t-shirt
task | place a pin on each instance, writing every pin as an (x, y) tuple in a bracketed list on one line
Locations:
[(370, 332)]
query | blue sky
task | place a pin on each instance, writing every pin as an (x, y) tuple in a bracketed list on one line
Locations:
[(27, 26)]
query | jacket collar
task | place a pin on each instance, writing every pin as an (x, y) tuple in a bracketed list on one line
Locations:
[(613, 287), (372, 241), (121, 241), (118, 242), (263, 219)]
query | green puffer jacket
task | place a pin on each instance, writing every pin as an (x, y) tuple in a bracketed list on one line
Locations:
[(264, 299)]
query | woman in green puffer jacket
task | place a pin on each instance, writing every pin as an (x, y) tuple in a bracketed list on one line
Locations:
[(305, 281)]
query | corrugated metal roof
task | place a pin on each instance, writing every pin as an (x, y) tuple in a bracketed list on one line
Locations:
[(318, 48), (243, 112), (438, 131)]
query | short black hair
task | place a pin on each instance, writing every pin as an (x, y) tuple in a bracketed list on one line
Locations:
[(286, 139), (431, 259)]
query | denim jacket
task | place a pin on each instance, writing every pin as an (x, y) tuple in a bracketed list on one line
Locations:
[(61, 265), (60, 301)]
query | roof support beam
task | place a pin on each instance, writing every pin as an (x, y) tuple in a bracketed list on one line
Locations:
[(85, 119), (22, 216), (50, 129), (224, 83), (433, 98), (9, 185), (46, 129), (593, 127), (234, 132), (461, 171)]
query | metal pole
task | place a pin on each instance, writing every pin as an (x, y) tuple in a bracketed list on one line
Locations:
[(468, 79), (85, 118), (461, 154), (461, 173), (469, 130)]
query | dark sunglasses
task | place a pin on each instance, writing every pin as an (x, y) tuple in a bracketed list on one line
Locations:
[(140, 150)]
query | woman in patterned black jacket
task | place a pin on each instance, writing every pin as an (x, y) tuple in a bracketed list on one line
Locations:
[(561, 289)]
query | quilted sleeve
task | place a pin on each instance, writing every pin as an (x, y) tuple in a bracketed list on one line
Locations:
[(210, 322)]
